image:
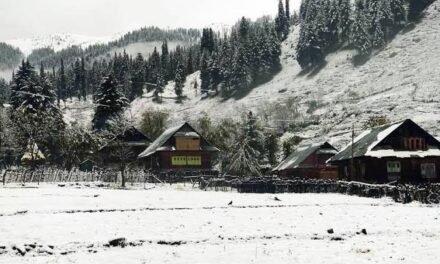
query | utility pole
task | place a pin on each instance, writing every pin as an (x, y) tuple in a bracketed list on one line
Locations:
[(352, 154)]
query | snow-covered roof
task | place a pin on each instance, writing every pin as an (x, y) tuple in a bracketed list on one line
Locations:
[(297, 157), (36, 156), (365, 144), (160, 143)]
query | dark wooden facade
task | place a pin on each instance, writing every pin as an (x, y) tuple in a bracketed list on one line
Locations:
[(401, 152), (309, 162), (376, 170)]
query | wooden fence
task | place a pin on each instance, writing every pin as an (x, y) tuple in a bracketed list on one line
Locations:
[(52, 175)]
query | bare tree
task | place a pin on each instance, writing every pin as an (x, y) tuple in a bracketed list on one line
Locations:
[(116, 147)]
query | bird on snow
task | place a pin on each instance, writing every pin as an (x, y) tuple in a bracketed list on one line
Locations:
[(230, 203), (277, 199)]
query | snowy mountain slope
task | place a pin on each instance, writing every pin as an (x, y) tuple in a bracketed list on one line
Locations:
[(400, 82), (144, 48), (58, 42)]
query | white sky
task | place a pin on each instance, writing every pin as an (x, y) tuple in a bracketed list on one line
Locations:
[(29, 18)]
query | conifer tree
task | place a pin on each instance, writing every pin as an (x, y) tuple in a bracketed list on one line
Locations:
[(204, 73), (398, 12), (360, 38), (109, 103), (282, 26), (179, 80), (62, 88), (138, 77), (83, 78), (344, 9)]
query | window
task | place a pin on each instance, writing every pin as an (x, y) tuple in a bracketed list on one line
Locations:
[(428, 171), (393, 167), (412, 143)]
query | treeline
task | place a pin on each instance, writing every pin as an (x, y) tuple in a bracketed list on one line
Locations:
[(132, 74), (365, 26), (10, 57), (50, 58), (247, 57)]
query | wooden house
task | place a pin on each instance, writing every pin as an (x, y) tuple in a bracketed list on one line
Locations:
[(397, 152), (309, 162), (179, 149), (122, 148)]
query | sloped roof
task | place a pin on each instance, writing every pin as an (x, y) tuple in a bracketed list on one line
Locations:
[(33, 153), (133, 135), (297, 157), (365, 143), (159, 143)]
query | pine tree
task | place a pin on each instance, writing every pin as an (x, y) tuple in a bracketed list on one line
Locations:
[(21, 82), (83, 78), (310, 47), (378, 38), (179, 80), (110, 103), (282, 26), (360, 38), (62, 88), (271, 148), (189, 65), (303, 10), (333, 24), (77, 79), (204, 73), (138, 77), (398, 12), (344, 22), (165, 61), (288, 12)]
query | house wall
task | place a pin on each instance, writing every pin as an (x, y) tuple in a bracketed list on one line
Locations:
[(165, 160), (374, 170), (313, 167)]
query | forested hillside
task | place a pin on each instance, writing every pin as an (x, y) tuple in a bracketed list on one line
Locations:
[(10, 57)]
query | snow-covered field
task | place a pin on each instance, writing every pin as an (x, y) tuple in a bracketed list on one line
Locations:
[(177, 224)]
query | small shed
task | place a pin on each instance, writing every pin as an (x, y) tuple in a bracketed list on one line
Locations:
[(309, 162), (33, 155), (179, 148), (402, 151)]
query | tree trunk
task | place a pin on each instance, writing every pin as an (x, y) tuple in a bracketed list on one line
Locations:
[(123, 175)]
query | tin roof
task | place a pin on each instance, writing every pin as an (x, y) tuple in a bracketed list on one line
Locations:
[(297, 157)]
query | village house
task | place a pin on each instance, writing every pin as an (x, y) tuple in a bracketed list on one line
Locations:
[(180, 149), (122, 148), (397, 152), (309, 162)]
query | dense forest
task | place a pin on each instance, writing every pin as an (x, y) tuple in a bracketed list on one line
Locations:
[(367, 26), (51, 58), (10, 57)]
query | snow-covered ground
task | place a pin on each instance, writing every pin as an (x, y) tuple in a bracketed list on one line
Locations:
[(58, 42), (177, 224)]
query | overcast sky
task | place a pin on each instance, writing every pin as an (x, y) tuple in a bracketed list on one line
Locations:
[(29, 18)]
